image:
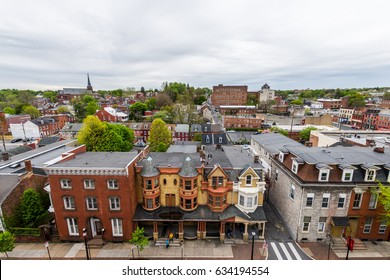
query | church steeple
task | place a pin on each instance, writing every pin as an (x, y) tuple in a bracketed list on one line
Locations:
[(89, 86)]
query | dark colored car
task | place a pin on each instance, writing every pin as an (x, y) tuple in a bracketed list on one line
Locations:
[(16, 140)]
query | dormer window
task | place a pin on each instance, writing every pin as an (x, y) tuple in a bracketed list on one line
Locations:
[(248, 180), (324, 170), (370, 175), (370, 172), (347, 175), (281, 157), (294, 167)]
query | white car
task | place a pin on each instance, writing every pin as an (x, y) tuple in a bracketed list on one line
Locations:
[(245, 147)]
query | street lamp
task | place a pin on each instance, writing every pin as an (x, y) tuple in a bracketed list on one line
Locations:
[(85, 242), (253, 243)]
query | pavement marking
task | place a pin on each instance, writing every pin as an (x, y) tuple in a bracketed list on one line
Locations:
[(294, 251), (284, 249), (74, 250), (278, 255)]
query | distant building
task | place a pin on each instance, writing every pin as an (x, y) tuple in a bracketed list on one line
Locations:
[(266, 94), (68, 94), (109, 114), (229, 95)]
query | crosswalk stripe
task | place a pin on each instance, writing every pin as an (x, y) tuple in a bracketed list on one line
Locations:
[(278, 255), (294, 251), (284, 249)]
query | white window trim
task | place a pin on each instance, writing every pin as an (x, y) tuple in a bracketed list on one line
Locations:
[(112, 184), (93, 200), (327, 171), (345, 171), (292, 191), (367, 227), (116, 201), (66, 183), (325, 195), (69, 202), (117, 227), (246, 180), (308, 226), (310, 195), (360, 201), (294, 166), (366, 175), (382, 227), (344, 196), (323, 227), (89, 184), (375, 195), (73, 228), (281, 156)]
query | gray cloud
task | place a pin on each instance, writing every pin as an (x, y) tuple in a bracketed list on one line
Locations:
[(289, 44)]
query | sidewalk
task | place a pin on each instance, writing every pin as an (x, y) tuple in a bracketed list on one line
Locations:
[(197, 249)]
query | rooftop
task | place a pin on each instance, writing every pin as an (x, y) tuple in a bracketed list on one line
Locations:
[(99, 160), (273, 142)]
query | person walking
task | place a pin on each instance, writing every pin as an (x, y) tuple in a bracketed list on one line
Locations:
[(166, 243), (171, 237)]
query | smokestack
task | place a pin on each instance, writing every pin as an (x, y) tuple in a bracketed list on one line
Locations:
[(5, 156), (28, 165), (256, 158)]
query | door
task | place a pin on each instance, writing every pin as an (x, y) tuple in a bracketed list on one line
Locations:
[(170, 200), (96, 227)]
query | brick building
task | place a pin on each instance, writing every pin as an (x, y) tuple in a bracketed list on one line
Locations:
[(95, 191), (242, 122), (229, 95)]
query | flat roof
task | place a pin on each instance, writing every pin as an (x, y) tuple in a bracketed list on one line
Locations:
[(98, 160)]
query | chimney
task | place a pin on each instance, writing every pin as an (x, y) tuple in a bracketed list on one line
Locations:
[(5, 156), (308, 144), (256, 158), (380, 150), (28, 166)]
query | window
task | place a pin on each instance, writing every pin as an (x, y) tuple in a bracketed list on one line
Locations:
[(292, 191), (325, 200), (115, 203), (294, 167), (347, 175), (357, 200), (211, 200), (373, 201), (341, 201), (91, 203), (367, 225), (175, 182), (217, 181), (242, 200), (112, 184), (165, 182), (65, 183), (382, 227), (249, 202), (248, 180), (321, 224), (276, 175), (155, 182), (148, 184), (89, 184), (116, 225), (309, 200), (188, 185), (324, 175), (73, 228), (69, 203), (306, 223), (149, 203), (370, 175), (281, 156)]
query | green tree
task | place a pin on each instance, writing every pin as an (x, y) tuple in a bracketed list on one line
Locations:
[(31, 208), (151, 103), (197, 136), (62, 110), (32, 111), (91, 108), (159, 133), (297, 102), (9, 110), (84, 106), (164, 115), (384, 200), (101, 136), (305, 133), (386, 96), (138, 238), (279, 130), (137, 110), (7, 242), (50, 95)]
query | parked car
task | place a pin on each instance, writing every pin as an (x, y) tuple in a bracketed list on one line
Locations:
[(16, 140)]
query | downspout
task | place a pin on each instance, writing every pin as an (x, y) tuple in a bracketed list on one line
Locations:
[(300, 215)]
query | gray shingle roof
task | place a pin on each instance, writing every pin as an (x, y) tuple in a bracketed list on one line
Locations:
[(188, 169), (273, 142), (149, 170)]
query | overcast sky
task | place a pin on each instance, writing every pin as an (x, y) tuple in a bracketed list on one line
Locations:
[(290, 44)]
